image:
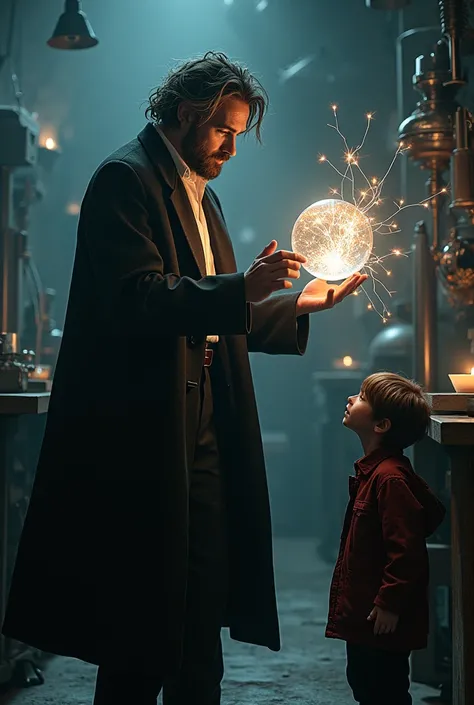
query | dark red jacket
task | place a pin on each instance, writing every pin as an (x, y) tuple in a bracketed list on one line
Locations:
[(383, 559)]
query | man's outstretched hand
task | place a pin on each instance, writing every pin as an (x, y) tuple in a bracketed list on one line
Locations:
[(318, 295)]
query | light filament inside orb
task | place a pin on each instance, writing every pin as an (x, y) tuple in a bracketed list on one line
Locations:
[(335, 237)]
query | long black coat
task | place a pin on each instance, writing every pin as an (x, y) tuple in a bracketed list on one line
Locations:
[(102, 564)]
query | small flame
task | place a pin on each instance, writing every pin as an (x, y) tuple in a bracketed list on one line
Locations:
[(347, 361)]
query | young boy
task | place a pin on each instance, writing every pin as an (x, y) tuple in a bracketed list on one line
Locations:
[(379, 592)]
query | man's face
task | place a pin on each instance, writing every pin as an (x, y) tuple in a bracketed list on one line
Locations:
[(206, 147)]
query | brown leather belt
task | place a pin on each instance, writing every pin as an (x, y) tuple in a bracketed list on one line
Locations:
[(208, 357)]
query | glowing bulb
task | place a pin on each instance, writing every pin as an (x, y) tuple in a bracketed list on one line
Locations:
[(388, 273), (472, 370), (334, 107), (347, 361), (335, 237), (50, 143)]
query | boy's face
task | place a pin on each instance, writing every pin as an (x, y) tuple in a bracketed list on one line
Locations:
[(359, 418)]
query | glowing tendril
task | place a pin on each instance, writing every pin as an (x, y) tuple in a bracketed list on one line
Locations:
[(337, 238)]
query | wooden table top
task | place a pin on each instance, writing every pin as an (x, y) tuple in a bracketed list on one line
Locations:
[(452, 429), (24, 403)]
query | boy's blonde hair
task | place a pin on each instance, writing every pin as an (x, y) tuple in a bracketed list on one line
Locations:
[(402, 402)]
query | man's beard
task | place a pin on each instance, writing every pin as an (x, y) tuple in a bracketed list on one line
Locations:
[(204, 165)]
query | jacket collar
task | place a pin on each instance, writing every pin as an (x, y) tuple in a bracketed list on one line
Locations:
[(162, 160), (181, 167), (367, 464), (159, 154)]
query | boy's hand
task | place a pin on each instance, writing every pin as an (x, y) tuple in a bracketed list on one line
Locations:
[(385, 621)]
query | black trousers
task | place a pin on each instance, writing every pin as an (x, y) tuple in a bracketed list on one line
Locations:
[(202, 669), (378, 677)]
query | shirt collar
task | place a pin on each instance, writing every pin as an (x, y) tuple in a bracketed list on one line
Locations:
[(369, 462)]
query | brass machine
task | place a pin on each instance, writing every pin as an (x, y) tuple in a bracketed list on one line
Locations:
[(440, 136), (18, 148)]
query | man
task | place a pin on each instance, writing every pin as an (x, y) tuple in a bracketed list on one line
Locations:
[(149, 527)]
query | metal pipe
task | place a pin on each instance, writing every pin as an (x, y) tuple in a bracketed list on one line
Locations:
[(434, 188), (435, 223), (454, 18), (5, 210), (425, 363), (402, 35)]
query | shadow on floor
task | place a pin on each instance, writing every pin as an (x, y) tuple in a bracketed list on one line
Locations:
[(309, 670)]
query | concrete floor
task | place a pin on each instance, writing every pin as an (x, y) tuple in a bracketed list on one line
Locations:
[(309, 670)]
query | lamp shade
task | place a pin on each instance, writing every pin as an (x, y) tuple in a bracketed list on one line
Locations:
[(73, 30)]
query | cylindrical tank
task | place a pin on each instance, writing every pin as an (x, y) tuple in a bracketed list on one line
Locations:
[(392, 348)]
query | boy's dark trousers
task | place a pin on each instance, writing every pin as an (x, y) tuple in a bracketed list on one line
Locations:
[(378, 677)]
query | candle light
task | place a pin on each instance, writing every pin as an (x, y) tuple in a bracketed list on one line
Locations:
[(347, 362), (50, 143), (41, 372), (463, 383)]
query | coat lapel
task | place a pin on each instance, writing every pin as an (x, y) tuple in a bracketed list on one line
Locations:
[(221, 245), (185, 213), (159, 155)]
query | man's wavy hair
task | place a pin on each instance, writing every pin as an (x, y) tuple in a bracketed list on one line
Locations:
[(204, 83)]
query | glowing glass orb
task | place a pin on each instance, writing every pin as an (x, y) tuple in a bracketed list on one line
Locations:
[(335, 237)]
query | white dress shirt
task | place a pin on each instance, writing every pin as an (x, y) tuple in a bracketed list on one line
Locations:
[(195, 187)]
